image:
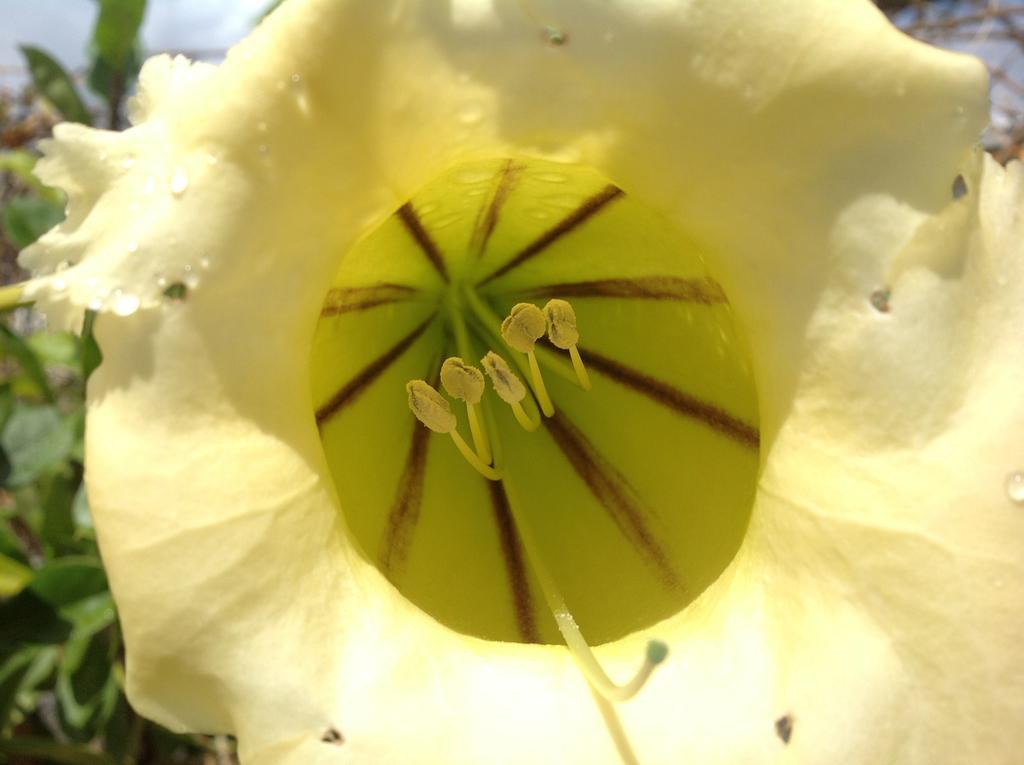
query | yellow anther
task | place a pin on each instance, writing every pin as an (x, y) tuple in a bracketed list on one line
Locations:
[(466, 383), (461, 380), (523, 327), (561, 318), (430, 407), (509, 387), (434, 411), (562, 333)]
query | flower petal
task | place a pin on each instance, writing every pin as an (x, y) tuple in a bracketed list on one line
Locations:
[(801, 143)]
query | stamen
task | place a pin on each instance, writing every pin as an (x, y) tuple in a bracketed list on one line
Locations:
[(434, 411), (466, 383), (509, 388), (521, 329), (656, 650), (562, 333)]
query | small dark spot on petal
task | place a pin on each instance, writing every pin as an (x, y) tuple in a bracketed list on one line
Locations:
[(555, 35), (880, 299), (176, 292), (784, 728), (333, 736), (959, 187)]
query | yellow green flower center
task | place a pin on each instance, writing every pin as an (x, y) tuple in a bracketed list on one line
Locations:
[(592, 362)]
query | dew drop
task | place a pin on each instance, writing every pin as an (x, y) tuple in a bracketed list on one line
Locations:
[(204, 263), (552, 177), (263, 149), (128, 163), (296, 79), (211, 159), (95, 304), (473, 176), (1015, 487), (133, 247), (179, 182), (59, 284), (125, 304), (471, 115), (149, 186), (446, 220)]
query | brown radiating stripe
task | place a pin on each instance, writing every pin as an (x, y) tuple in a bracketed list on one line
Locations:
[(612, 490), (351, 390), (515, 565), (411, 219), (683, 403), (590, 207), (405, 511), (349, 299), (705, 291), (487, 220)]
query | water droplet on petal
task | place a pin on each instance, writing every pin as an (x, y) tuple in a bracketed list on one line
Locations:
[(149, 186), (551, 177), (204, 263), (59, 284), (1015, 486), (471, 115), (263, 149), (125, 304), (133, 247), (95, 304), (128, 163), (472, 176), (179, 182)]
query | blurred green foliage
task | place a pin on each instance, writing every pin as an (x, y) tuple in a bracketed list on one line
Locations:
[(61, 653)]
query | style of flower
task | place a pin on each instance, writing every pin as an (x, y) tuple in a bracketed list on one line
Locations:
[(801, 156)]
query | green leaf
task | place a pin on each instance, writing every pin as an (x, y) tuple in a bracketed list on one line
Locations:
[(270, 8), (13, 576), (27, 619), (83, 674), (116, 28), (92, 356), (80, 509), (29, 217), (102, 78), (55, 85), (13, 672), (21, 163), (36, 439), (55, 347), (58, 527), (50, 751), (66, 581), (14, 345)]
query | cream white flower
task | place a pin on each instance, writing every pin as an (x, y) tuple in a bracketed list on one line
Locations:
[(872, 612)]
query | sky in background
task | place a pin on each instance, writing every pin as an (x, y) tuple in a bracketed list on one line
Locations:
[(63, 27)]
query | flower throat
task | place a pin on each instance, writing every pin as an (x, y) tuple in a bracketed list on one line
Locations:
[(579, 340)]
